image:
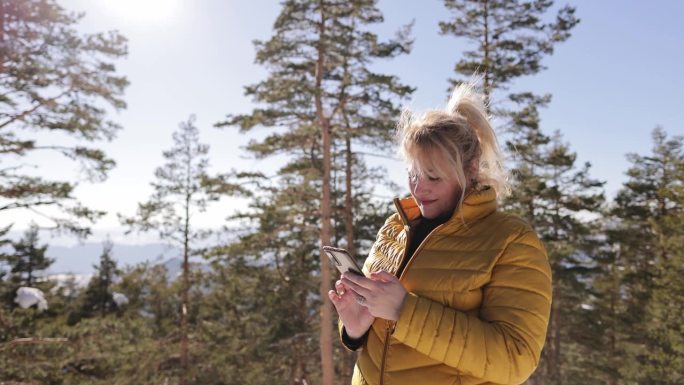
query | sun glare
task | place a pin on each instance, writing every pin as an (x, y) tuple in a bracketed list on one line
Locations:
[(144, 10)]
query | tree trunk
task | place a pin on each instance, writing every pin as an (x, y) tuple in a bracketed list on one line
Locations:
[(327, 363), (184, 296), (2, 36), (31, 254), (614, 297), (553, 363), (348, 358), (487, 87)]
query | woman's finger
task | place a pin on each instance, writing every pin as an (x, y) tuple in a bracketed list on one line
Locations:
[(359, 280), (356, 287), (340, 288), (334, 297), (383, 276)]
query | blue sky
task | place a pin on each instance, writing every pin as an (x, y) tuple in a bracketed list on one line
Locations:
[(612, 82)]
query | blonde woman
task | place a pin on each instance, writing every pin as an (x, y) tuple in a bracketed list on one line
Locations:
[(455, 292)]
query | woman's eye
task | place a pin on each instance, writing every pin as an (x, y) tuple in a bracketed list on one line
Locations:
[(434, 178)]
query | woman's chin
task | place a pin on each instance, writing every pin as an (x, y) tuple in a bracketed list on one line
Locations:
[(428, 214)]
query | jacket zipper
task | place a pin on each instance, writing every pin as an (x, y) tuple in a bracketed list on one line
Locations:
[(384, 353), (390, 325)]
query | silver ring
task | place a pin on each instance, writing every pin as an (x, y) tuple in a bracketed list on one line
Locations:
[(360, 299)]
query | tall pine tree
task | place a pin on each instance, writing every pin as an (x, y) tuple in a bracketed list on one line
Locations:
[(648, 214), (54, 80), (559, 199), (509, 40), (317, 81), (179, 193), (509, 37)]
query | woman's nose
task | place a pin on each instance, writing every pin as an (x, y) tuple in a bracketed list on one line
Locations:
[(420, 186)]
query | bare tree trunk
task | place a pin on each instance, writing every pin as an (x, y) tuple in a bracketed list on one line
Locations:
[(300, 373), (184, 296), (327, 363), (554, 342), (348, 357), (614, 296), (487, 88), (2, 36)]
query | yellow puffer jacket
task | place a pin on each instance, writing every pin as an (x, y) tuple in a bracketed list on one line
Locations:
[(478, 304)]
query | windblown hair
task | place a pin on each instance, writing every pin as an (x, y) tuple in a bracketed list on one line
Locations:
[(461, 137)]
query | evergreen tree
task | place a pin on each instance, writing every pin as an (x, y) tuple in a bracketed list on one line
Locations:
[(319, 75), (254, 328), (648, 213), (269, 275), (151, 296), (178, 194), (281, 231), (98, 295), (4, 242), (510, 38), (27, 259), (54, 80), (99, 351), (553, 193)]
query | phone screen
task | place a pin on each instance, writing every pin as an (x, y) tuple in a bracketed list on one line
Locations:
[(341, 259)]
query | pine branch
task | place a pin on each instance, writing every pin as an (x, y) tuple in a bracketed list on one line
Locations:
[(30, 341), (28, 112), (16, 205)]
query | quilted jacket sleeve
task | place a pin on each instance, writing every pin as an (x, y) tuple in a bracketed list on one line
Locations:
[(503, 343)]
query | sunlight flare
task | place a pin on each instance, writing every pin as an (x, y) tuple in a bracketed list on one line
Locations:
[(144, 10)]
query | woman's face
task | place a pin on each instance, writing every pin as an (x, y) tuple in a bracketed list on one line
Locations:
[(435, 196)]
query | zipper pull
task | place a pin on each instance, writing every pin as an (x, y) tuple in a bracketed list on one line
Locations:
[(390, 326)]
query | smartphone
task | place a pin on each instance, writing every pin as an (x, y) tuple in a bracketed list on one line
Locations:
[(342, 260)]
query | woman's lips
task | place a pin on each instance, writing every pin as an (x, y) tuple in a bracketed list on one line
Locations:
[(425, 203)]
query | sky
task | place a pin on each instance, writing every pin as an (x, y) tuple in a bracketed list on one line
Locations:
[(612, 82)]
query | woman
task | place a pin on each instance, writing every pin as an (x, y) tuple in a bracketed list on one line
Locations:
[(455, 291)]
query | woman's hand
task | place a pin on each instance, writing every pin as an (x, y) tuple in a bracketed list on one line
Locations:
[(383, 293), (355, 318)]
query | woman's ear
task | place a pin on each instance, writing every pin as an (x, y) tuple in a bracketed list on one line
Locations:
[(474, 171)]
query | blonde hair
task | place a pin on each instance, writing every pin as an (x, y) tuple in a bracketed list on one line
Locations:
[(461, 136)]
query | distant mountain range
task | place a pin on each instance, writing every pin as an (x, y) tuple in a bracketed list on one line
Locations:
[(77, 262), (173, 270), (80, 259)]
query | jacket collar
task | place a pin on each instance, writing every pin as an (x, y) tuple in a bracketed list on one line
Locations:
[(477, 204)]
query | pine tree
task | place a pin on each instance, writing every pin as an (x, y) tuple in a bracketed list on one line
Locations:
[(269, 275), (553, 193), (320, 91), (510, 38), (255, 329), (27, 259), (98, 295), (649, 212), (367, 119), (151, 296), (4, 242), (54, 80), (281, 232), (178, 194)]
